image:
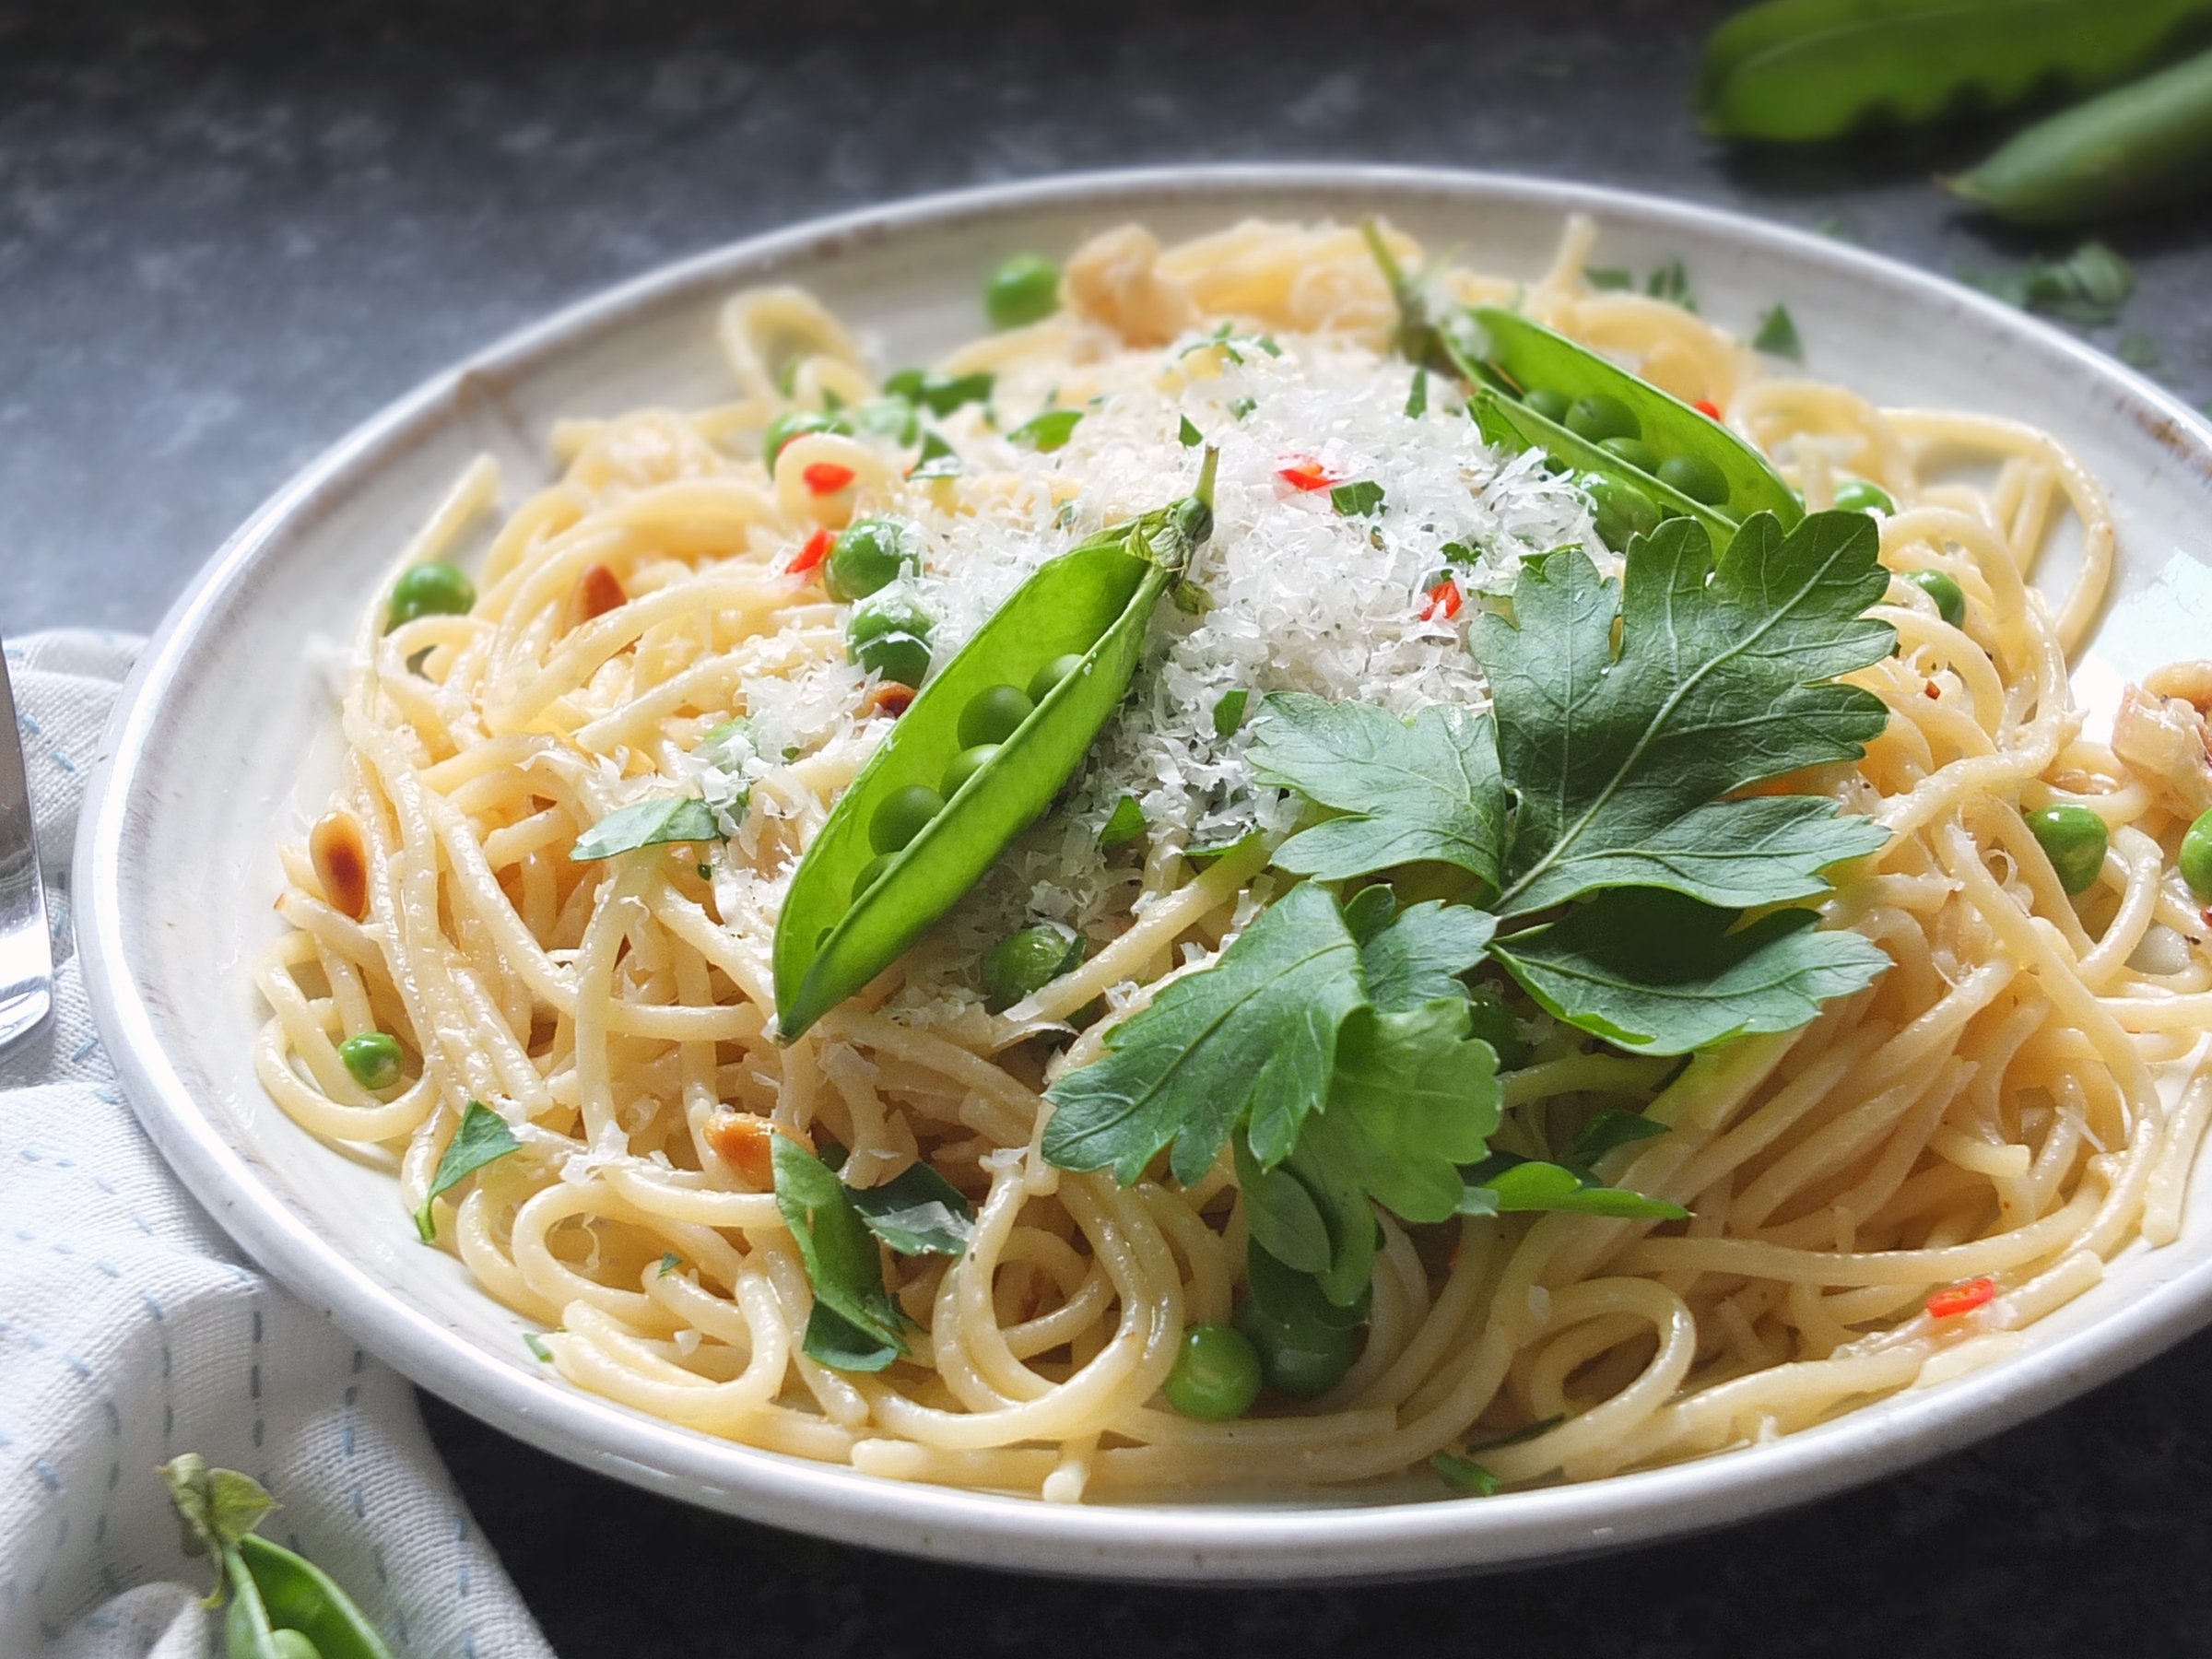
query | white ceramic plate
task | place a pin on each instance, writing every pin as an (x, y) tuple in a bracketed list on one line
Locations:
[(225, 736)]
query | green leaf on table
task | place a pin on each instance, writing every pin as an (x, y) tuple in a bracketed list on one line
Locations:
[(1426, 790), (652, 822), (1048, 431), (1721, 679), (2139, 350), (1659, 974), (483, 1137), (1777, 336), (917, 1212), (2090, 286), (855, 1320), (1253, 1036)]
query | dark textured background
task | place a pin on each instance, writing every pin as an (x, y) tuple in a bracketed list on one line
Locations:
[(228, 232)]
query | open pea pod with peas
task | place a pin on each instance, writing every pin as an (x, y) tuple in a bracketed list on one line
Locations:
[(1595, 414), (281, 1605), (977, 757)]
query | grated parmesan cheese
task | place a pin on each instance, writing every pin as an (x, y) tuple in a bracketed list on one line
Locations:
[(1305, 598)]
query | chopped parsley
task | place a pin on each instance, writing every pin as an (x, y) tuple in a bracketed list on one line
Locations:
[(1362, 499), (483, 1137), (1777, 336), (937, 459), (652, 822), (1048, 431), (1125, 823), (940, 394)]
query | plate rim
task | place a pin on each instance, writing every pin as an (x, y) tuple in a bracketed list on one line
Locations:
[(1142, 1541)]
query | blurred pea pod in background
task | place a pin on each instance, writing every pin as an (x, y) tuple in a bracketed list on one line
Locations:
[(1813, 71)]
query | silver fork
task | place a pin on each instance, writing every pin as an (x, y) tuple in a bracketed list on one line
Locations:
[(26, 954)]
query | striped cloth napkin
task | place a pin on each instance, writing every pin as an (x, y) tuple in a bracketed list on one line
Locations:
[(132, 1329)]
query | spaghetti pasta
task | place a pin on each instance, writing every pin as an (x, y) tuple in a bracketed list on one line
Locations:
[(1993, 1105)]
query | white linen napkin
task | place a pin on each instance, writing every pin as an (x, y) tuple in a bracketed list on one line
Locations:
[(132, 1329)]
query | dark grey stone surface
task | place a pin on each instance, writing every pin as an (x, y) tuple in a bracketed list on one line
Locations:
[(228, 232)]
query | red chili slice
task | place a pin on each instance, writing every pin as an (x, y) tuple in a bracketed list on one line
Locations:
[(1954, 1300), (813, 553), (1303, 472), (1706, 406), (1444, 600), (826, 477), (598, 591)]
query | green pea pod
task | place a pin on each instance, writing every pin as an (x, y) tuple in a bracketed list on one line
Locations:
[(1519, 427), (2148, 142), (1094, 602), (299, 1595), (1796, 71), (247, 1630), (1532, 356), (280, 1605)]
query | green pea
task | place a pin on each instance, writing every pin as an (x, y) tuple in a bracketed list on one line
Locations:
[(993, 715), (1490, 1019), (795, 423), (901, 657), (965, 765), (1599, 415), (1621, 509), (1051, 673), (1549, 404), (1950, 600), (1300, 1360), (1216, 1374), (903, 815), (1696, 477), (1634, 451), (1027, 961), (432, 588), (889, 635), (2196, 858), (2073, 839), (871, 873), (1025, 289), (1857, 495), (868, 556), (372, 1058)]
